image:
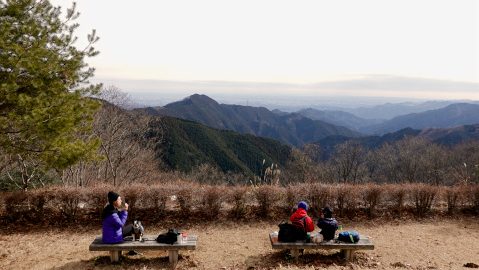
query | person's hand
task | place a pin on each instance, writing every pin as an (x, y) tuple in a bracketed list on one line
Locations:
[(126, 207)]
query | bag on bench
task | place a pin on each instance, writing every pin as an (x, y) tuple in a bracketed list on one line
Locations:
[(168, 238), (349, 236), (290, 233)]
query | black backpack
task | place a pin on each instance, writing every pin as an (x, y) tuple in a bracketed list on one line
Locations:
[(290, 233), (168, 238)]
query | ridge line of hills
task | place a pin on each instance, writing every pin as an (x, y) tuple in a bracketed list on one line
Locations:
[(238, 138), (293, 128)]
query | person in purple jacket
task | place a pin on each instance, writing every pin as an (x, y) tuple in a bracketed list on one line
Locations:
[(114, 219)]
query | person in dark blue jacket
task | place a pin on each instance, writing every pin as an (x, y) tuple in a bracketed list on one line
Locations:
[(114, 219), (327, 224)]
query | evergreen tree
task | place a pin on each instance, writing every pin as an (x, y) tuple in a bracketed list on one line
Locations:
[(44, 87)]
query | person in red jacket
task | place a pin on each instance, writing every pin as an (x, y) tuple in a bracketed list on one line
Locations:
[(301, 219)]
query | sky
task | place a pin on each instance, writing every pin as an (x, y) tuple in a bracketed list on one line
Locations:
[(383, 48)]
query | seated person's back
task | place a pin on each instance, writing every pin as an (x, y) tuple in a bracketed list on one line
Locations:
[(327, 224), (301, 219)]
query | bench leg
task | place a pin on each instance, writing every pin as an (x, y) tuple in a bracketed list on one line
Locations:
[(115, 255), (173, 257), (295, 254), (348, 254)]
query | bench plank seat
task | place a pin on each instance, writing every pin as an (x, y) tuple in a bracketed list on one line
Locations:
[(149, 244), (347, 249)]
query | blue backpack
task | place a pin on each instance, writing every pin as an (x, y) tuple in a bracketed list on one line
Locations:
[(349, 236)]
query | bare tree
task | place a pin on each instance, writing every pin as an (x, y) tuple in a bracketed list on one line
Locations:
[(464, 163), (348, 162), (126, 154), (299, 168), (313, 151)]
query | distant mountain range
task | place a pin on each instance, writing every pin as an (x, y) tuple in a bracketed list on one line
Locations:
[(339, 118), (291, 128), (183, 144), (442, 136), (447, 117), (390, 110)]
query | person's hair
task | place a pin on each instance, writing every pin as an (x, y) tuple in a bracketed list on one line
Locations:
[(327, 212), (112, 196)]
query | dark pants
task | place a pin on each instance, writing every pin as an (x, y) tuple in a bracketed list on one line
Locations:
[(127, 230)]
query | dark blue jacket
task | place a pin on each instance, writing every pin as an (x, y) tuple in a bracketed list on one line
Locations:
[(328, 227), (113, 222)]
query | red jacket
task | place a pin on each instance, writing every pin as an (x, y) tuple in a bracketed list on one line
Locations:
[(306, 223)]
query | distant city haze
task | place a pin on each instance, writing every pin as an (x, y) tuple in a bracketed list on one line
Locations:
[(398, 50), (361, 92)]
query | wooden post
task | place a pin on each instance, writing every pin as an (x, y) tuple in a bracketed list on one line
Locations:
[(348, 254), (173, 257), (295, 253), (115, 255)]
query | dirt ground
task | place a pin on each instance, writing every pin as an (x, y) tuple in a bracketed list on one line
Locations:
[(430, 244)]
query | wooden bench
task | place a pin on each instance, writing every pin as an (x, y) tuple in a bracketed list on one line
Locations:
[(149, 243), (347, 249)]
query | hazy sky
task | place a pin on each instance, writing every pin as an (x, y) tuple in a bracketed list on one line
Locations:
[(419, 48)]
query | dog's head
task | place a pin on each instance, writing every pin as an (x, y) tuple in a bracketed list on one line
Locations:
[(137, 227)]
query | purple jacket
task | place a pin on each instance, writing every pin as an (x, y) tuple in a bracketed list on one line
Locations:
[(112, 227)]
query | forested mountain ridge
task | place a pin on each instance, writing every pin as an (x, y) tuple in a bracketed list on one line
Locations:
[(293, 129), (183, 145)]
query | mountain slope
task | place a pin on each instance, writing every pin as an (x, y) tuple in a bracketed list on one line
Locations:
[(450, 116), (184, 144), (293, 129)]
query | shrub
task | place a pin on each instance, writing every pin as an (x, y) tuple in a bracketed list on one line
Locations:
[(132, 195), (96, 199), (371, 195), (345, 198), (237, 197), (16, 205), (185, 199), (68, 200), (211, 201), (319, 196), (396, 196), (156, 197), (292, 196), (267, 196), (38, 200), (475, 190), (423, 196), (452, 196), (473, 196)]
